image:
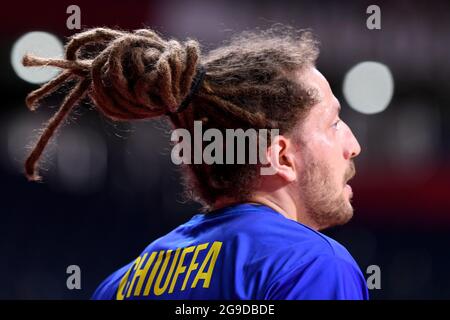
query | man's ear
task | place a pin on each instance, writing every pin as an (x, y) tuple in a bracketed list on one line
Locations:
[(281, 157)]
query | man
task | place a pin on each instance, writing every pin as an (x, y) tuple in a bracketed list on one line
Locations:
[(258, 235)]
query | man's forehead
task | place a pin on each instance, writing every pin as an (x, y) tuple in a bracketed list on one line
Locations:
[(326, 101), (315, 80)]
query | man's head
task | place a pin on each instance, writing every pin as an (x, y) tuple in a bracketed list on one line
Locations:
[(260, 80), (274, 74), (315, 161)]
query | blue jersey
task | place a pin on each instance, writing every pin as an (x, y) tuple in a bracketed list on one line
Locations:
[(245, 251)]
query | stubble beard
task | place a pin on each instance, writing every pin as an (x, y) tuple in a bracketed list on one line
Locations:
[(324, 199)]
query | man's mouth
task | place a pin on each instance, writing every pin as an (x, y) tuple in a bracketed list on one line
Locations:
[(349, 174), (349, 190)]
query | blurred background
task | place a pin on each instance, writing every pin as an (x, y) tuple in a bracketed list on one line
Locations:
[(110, 188)]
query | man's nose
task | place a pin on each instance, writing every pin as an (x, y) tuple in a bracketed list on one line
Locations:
[(353, 149)]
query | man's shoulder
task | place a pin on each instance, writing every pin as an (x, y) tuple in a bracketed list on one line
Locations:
[(296, 244), (276, 232), (286, 250), (108, 287)]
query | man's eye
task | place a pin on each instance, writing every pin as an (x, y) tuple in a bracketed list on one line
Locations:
[(335, 125)]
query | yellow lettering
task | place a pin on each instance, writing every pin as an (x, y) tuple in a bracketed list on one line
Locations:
[(120, 291), (153, 273), (142, 273), (180, 268), (206, 276), (177, 267), (137, 266), (193, 266), (160, 290)]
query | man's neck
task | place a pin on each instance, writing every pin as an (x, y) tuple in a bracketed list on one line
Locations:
[(286, 207)]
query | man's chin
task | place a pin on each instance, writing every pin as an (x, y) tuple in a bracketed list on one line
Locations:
[(347, 216), (339, 218)]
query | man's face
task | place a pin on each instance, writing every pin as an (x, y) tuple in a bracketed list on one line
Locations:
[(325, 154)]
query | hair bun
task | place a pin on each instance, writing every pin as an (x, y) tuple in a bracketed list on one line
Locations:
[(128, 75)]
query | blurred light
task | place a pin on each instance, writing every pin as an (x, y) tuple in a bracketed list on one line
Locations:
[(368, 87), (42, 44), (81, 160)]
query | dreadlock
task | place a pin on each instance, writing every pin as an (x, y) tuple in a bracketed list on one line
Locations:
[(248, 83)]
